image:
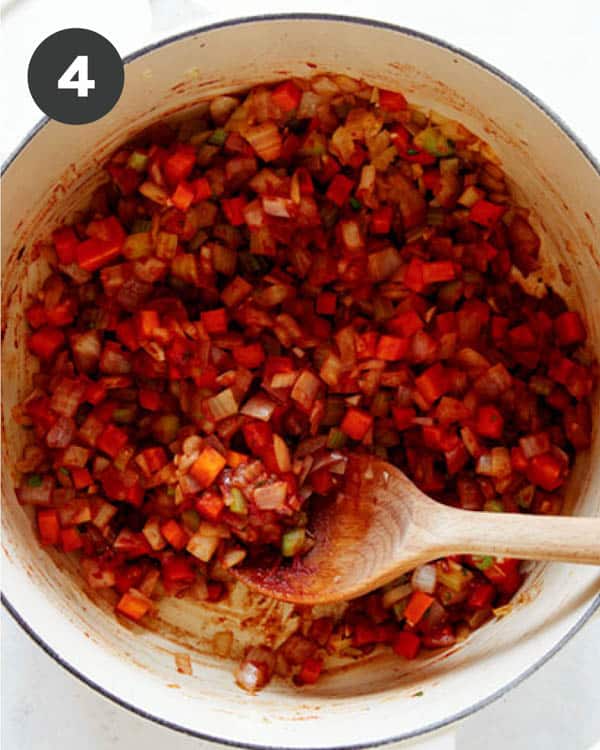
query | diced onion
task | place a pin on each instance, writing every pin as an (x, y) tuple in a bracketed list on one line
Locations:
[(259, 407), (424, 578), (272, 496)]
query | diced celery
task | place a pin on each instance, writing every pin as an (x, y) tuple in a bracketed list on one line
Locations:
[(336, 439), (380, 404), (355, 204), (218, 137), (453, 576), (493, 506), (125, 414), (434, 142), (34, 480), (141, 225), (237, 502), (137, 161), (483, 563), (399, 608), (292, 542), (191, 519)]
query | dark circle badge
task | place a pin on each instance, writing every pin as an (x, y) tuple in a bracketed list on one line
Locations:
[(75, 76)]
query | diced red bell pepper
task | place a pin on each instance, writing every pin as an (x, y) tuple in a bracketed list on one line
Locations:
[(406, 644), (392, 101), (150, 399), (258, 435), (250, 356), (481, 596), (326, 303), (433, 383), (391, 348), (112, 440), (569, 329), (438, 271), (546, 471), (339, 189), (310, 671), (321, 481), (403, 416), (45, 342), (499, 327), (202, 189), (489, 422), (233, 208), (356, 423), (381, 220), (48, 526), (94, 253), (36, 315), (486, 213), (154, 458), (504, 574), (405, 323), (210, 503), (65, 242), (178, 569), (286, 96), (81, 478), (413, 275), (215, 590), (214, 321), (179, 164), (517, 459), (417, 605)]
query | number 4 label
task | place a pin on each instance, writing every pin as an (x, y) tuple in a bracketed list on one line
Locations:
[(76, 77)]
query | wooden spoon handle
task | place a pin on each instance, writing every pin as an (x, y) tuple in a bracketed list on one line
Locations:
[(560, 538)]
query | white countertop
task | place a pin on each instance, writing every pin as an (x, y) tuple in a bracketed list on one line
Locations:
[(554, 50)]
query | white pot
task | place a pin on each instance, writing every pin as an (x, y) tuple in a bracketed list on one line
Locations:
[(52, 175)]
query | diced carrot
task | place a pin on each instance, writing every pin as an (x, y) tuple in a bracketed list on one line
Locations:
[(70, 539), (207, 467), (134, 605), (356, 423), (286, 96), (184, 196), (417, 605), (48, 526), (174, 534)]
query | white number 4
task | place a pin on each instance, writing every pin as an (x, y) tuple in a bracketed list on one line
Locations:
[(76, 77)]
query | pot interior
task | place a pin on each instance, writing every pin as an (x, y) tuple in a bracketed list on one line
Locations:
[(52, 178)]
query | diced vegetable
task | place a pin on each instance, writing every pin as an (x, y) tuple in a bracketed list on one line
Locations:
[(305, 270)]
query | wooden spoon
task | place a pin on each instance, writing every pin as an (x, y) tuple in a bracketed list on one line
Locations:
[(380, 526)]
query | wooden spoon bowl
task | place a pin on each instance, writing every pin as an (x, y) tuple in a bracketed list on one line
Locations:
[(381, 525)]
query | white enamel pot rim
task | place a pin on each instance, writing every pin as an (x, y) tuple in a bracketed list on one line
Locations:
[(584, 613)]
